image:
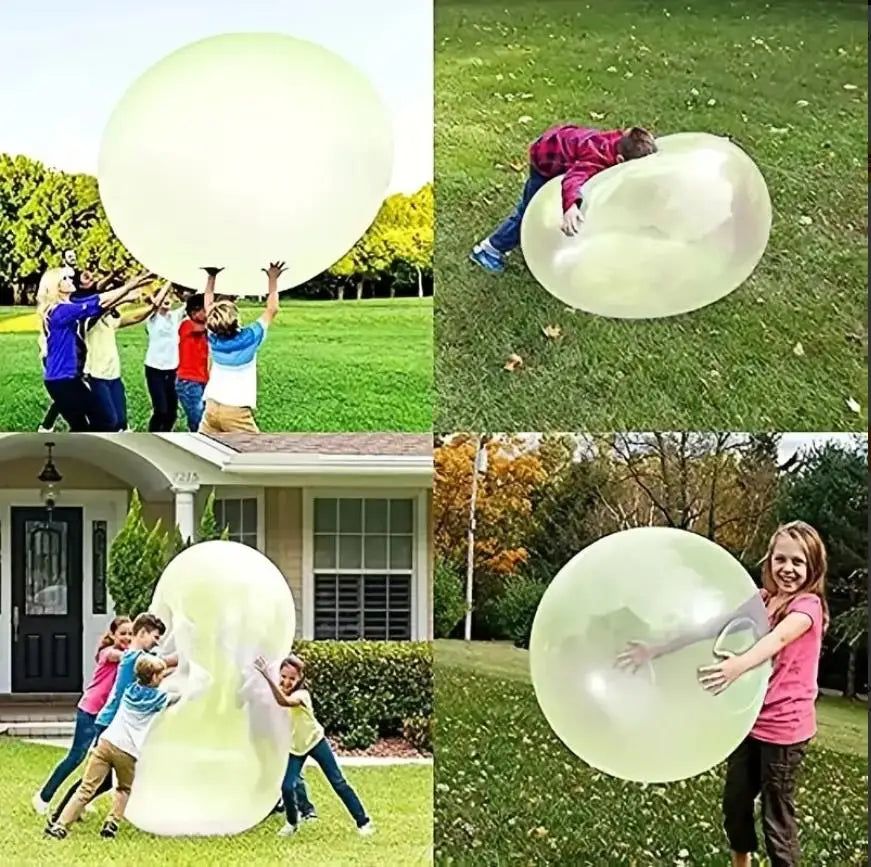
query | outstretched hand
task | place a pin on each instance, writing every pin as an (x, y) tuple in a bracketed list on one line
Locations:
[(261, 665), (717, 678), (213, 272), (275, 270), (573, 219), (634, 656)]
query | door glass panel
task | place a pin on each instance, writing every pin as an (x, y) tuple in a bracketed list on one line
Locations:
[(45, 577)]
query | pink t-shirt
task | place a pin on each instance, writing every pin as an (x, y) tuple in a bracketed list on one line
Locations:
[(97, 691), (788, 714)]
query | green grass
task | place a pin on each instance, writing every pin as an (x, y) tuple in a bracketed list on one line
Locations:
[(326, 366), (731, 366), (509, 792), (399, 799)]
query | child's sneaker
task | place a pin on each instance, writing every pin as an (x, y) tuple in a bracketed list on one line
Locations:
[(366, 830), (39, 805), (90, 808), (109, 829), (311, 816), (56, 831), (489, 259), (288, 830)]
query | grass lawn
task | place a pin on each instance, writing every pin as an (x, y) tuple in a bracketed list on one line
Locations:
[(776, 75), (399, 799), (325, 366), (509, 792)]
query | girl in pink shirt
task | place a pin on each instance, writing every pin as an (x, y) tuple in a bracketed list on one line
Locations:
[(767, 761), (109, 650)]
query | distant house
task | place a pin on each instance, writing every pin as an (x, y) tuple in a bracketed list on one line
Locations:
[(346, 517)]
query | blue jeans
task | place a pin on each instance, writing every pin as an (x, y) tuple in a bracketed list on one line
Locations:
[(83, 737), (507, 236), (112, 401), (190, 396), (322, 753)]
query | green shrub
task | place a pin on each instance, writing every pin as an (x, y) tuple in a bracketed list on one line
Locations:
[(363, 690), (417, 730), (514, 610), (448, 599)]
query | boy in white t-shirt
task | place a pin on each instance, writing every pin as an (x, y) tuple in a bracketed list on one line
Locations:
[(119, 746), (231, 395)]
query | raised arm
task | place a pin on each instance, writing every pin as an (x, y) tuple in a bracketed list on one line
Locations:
[(209, 292), (273, 272)]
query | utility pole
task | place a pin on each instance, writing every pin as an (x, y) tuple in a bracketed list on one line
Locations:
[(480, 466)]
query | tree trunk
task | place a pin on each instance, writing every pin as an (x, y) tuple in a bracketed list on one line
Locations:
[(393, 289), (419, 283), (360, 284), (850, 691), (340, 293)]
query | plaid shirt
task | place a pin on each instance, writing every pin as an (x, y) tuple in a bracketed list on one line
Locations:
[(576, 152)]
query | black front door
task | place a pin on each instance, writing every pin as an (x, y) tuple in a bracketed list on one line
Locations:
[(46, 600)]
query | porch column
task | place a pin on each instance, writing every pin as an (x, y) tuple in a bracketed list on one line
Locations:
[(185, 486)]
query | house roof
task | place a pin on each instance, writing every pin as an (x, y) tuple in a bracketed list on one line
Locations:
[(374, 444)]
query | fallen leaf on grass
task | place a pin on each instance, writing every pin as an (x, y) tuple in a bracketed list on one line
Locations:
[(595, 115), (853, 406), (712, 102), (513, 362), (805, 220), (850, 87), (798, 349), (802, 103), (524, 119), (553, 332)]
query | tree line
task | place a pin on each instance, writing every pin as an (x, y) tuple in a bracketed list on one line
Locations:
[(44, 211), (541, 501)]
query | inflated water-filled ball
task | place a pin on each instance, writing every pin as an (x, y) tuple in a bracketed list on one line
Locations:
[(651, 722), (244, 149), (662, 235), (213, 763)]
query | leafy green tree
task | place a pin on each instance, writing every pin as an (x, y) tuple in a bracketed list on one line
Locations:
[(448, 598), (209, 528), (829, 490), (137, 558)]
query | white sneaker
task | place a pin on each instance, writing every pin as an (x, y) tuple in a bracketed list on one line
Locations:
[(90, 808), (288, 830), (39, 805), (366, 830)]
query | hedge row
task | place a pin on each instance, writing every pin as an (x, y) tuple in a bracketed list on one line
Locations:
[(363, 690)]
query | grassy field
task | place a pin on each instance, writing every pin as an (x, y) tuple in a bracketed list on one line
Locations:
[(326, 366), (787, 80), (399, 799), (509, 792)]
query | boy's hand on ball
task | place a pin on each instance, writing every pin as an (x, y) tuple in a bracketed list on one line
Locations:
[(572, 221), (635, 655), (275, 270)]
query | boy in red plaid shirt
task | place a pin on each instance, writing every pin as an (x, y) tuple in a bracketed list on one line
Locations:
[(577, 153)]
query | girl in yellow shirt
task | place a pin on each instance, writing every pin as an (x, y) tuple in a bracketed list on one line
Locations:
[(307, 739)]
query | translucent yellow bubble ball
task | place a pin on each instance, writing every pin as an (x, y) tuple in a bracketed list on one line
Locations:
[(243, 149), (662, 235), (212, 763), (647, 718)]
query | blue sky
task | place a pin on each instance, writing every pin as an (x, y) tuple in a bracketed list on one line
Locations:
[(64, 65)]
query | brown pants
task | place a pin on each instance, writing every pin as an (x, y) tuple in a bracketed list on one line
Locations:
[(220, 418), (757, 768), (106, 757)]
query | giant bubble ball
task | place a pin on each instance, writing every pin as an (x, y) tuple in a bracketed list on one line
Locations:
[(240, 150), (662, 235), (212, 764), (652, 723)]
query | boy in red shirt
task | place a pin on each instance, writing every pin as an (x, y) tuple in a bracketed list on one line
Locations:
[(193, 361), (577, 153)]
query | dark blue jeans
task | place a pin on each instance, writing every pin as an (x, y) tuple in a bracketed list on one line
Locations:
[(112, 401), (190, 396), (83, 736), (507, 236), (164, 400), (322, 753)]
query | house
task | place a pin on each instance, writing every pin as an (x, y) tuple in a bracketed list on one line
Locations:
[(346, 517)]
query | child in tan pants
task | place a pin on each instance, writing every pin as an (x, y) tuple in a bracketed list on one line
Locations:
[(119, 747)]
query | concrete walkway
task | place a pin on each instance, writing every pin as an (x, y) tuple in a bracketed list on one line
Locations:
[(346, 761)]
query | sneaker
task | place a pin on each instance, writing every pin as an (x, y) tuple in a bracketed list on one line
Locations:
[(90, 808), (287, 830), (39, 805), (109, 829), (366, 830), (309, 817), (56, 831), (494, 262)]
